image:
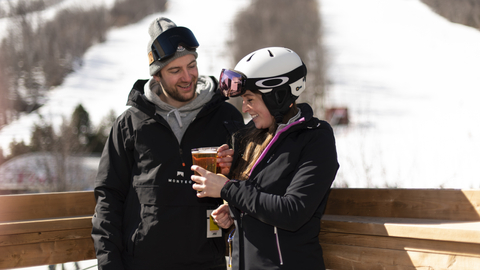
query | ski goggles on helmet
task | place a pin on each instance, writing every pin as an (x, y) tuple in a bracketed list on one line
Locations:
[(234, 83), (168, 42)]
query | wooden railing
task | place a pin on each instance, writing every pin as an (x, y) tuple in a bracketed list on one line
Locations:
[(361, 229), (47, 228), (402, 229)]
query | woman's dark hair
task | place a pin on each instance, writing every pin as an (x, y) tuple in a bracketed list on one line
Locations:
[(254, 142)]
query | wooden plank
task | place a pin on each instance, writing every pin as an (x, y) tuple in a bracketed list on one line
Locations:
[(365, 258), (46, 205), (45, 225), (450, 204), (467, 232), (398, 243), (361, 258), (44, 236), (46, 253)]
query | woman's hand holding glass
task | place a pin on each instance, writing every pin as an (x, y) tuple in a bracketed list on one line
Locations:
[(207, 184), (224, 159)]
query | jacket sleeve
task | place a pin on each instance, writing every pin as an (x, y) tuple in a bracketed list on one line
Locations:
[(111, 188), (310, 184)]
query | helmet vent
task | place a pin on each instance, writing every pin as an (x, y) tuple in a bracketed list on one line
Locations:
[(250, 58), (271, 54)]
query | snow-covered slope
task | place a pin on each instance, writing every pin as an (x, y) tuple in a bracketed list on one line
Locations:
[(110, 68), (410, 79), (408, 76)]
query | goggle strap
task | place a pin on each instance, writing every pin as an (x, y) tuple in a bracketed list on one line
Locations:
[(157, 50)]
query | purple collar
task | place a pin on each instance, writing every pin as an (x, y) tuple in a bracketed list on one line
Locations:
[(264, 153)]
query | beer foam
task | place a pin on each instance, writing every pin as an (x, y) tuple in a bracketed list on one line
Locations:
[(206, 150)]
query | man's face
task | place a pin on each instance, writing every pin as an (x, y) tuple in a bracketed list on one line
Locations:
[(179, 80)]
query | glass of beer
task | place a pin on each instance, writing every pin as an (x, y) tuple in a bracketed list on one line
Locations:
[(205, 157)]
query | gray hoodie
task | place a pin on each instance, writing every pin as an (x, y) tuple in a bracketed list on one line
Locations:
[(180, 118)]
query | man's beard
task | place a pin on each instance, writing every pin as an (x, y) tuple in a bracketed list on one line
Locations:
[(174, 94)]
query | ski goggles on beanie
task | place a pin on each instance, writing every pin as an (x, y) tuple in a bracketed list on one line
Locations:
[(234, 83), (173, 39)]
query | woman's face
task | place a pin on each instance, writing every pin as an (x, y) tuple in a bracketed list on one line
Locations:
[(253, 104)]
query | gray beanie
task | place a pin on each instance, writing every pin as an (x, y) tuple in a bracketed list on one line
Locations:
[(157, 27)]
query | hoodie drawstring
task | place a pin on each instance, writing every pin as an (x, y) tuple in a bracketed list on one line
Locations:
[(178, 115), (278, 245)]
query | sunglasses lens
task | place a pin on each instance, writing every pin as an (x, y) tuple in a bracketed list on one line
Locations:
[(231, 83)]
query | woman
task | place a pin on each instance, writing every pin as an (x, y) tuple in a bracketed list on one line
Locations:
[(284, 164)]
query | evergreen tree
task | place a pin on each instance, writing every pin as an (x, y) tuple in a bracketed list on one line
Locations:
[(80, 126), (43, 137), (18, 148)]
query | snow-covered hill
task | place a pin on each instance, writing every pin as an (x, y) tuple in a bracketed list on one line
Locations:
[(408, 76), (50, 12), (410, 79), (110, 68)]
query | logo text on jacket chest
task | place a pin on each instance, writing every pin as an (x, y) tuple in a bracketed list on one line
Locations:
[(180, 181)]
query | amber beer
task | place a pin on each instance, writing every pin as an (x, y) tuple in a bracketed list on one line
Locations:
[(205, 157)]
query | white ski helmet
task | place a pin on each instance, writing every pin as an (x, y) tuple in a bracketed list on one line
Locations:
[(278, 73)]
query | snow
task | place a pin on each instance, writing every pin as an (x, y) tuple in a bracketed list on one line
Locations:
[(111, 68), (408, 76)]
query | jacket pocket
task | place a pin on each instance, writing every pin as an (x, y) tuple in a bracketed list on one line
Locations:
[(138, 241)]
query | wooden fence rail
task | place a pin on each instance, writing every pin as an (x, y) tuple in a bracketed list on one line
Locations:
[(362, 229), (402, 229), (47, 228)]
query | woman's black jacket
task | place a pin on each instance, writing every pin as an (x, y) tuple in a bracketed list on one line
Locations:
[(278, 209)]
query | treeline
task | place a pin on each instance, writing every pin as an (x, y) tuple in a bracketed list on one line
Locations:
[(36, 55), (466, 12), (14, 8), (57, 147), (75, 136), (297, 26)]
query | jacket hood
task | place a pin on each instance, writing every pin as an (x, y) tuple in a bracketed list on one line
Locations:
[(137, 98), (205, 89), (177, 118), (306, 112)]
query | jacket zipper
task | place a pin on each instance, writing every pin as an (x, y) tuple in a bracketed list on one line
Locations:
[(181, 155), (230, 240), (275, 231)]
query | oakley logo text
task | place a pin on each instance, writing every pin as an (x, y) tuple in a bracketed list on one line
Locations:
[(261, 83)]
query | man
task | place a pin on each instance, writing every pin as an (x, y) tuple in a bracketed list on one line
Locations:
[(147, 214)]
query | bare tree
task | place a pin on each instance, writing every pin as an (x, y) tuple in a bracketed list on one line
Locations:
[(5, 106), (129, 11), (466, 12), (36, 55)]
